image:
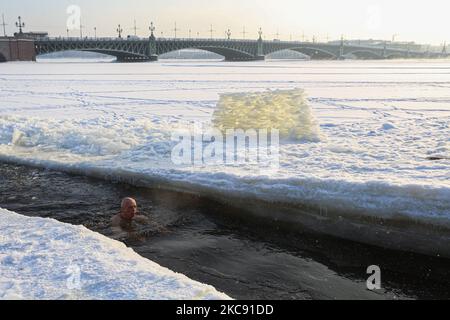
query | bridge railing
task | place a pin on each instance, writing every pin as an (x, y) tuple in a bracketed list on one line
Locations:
[(140, 39), (85, 39), (204, 39)]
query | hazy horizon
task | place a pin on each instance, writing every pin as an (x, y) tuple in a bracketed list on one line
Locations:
[(283, 19)]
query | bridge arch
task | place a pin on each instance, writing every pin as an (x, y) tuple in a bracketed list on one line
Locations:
[(120, 55), (396, 55), (55, 53), (364, 54), (190, 53), (123, 50), (287, 54), (315, 53), (312, 52), (230, 54)]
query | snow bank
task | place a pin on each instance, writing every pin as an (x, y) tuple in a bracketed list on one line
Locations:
[(46, 259)]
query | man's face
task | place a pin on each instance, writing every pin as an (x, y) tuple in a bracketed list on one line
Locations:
[(129, 209)]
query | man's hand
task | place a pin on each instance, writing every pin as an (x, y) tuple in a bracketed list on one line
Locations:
[(141, 219)]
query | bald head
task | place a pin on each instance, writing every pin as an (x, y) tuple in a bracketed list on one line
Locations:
[(128, 208)]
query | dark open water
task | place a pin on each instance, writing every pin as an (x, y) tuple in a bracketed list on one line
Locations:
[(218, 245)]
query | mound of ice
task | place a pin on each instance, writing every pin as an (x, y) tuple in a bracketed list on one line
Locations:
[(46, 259), (95, 137), (285, 110)]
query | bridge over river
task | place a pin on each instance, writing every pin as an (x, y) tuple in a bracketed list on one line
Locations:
[(148, 49)]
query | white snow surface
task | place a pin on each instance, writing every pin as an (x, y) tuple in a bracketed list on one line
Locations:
[(378, 121), (42, 258)]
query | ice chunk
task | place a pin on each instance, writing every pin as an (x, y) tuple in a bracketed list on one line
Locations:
[(284, 110)]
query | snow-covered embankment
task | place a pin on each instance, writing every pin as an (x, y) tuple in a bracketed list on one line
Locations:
[(46, 259)]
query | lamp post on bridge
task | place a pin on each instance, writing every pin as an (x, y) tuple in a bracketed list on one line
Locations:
[(152, 29), (228, 33), (175, 30), (81, 30), (277, 35), (135, 28), (119, 31), (95, 33), (20, 25), (211, 31), (4, 25), (152, 43)]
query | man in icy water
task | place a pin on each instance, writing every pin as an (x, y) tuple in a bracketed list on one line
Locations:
[(128, 214), (129, 224)]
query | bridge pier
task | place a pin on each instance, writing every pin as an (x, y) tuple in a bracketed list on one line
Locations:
[(341, 55), (16, 49), (260, 47)]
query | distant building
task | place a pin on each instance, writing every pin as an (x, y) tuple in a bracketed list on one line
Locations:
[(411, 45)]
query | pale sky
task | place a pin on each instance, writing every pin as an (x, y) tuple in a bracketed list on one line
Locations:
[(410, 20)]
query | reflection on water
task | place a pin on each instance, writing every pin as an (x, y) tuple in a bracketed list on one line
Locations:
[(218, 245)]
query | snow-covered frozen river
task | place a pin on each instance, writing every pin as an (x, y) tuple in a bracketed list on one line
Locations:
[(378, 122)]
